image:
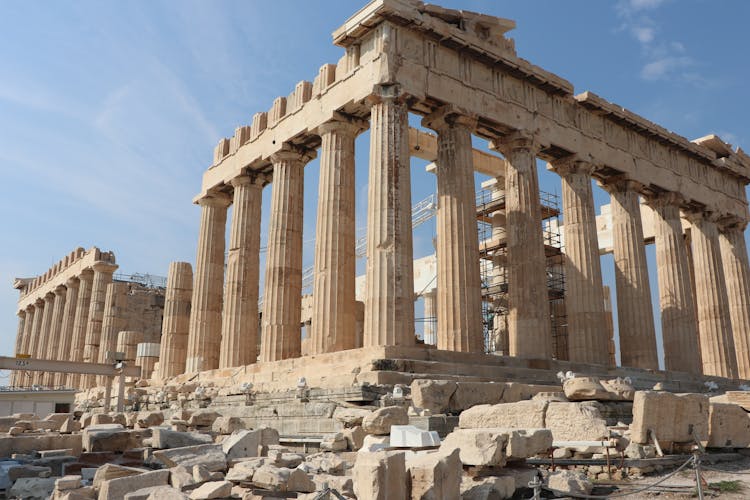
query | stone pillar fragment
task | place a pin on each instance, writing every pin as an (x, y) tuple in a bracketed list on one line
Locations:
[(430, 317), (66, 328), (459, 291), (529, 327), (282, 300), (239, 326), (114, 320), (634, 314), (204, 340), (53, 343), (677, 303), (587, 334), (389, 282), (80, 323), (102, 277), (333, 314), (714, 324), (176, 320), (146, 356), (734, 260)]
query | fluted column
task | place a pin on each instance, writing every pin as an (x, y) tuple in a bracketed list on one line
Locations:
[(204, 339), (36, 333), (114, 320), (529, 327), (737, 275), (80, 323), (14, 375), (66, 328), (282, 299), (588, 337), (32, 312), (176, 320), (102, 277), (714, 324), (239, 326), (459, 287), (430, 317), (53, 343), (634, 313), (677, 303), (333, 316), (45, 330), (389, 276)]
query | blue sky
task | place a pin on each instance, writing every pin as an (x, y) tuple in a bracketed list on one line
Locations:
[(109, 111)]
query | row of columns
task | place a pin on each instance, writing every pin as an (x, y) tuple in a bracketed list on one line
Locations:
[(65, 324)]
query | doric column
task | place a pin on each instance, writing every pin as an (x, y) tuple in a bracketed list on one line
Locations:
[(114, 320), (53, 342), (678, 328), (14, 375), (459, 286), (389, 276), (80, 323), (239, 326), (36, 333), (282, 299), (204, 340), (333, 315), (737, 275), (102, 277), (430, 317), (23, 379), (43, 336), (634, 314), (176, 320), (529, 327), (714, 324), (588, 338), (66, 328)]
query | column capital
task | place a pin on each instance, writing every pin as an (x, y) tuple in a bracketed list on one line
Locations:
[(30, 308), (343, 124), (697, 216), (449, 116), (21, 313), (620, 184), (104, 267), (572, 164), (386, 92), (291, 152), (73, 282), (664, 199), (732, 223), (49, 297), (86, 274), (215, 199), (519, 140), (60, 291), (248, 178)]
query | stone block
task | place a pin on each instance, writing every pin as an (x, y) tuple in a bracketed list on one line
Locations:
[(380, 421), (350, 417), (212, 489), (435, 476), (180, 477), (477, 446), (487, 488), (518, 391), (570, 482), (156, 493), (282, 479), (674, 418), (576, 421), (585, 389), (355, 437), (334, 442), (68, 483), (203, 418), (619, 389), (247, 443), (741, 398), (408, 436), (433, 395), (99, 419), (26, 470), (32, 488), (343, 484), (164, 438), (111, 437), (228, 425), (116, 489), (325, 462), (114, 471), (372, 442), (468, 394), (210, 455), (380, 475), (244, 471), (148, 419), (728, 426), (525, 443), (519, 415)]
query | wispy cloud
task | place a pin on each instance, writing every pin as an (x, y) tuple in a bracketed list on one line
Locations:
[(664, 59)]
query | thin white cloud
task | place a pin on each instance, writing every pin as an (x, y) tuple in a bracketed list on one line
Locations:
[(665, 67)]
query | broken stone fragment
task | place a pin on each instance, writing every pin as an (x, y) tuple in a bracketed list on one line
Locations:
[(435, 475), (210, 455), (487, 488), (380, 421), (227, 425), (433, 395), (570, 482), (350, 417), (115, 489), (477, 446), (380, 475), (213, 489), (519, 415)]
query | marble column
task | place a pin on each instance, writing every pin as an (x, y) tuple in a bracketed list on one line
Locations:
[(53, 343), (66, 328), (176, 320), (714, 323), (80, 323), (587, 335), (204, 339), (282, 299), (389, 276), (37, 330), (14, 375), (239, 326), (102, 277), (734, 260), (676, 301), (634, 313), (40, 349), (529, 327), (32, 312), (459, 286), (114, 320), (333, 315), (430, 317)]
